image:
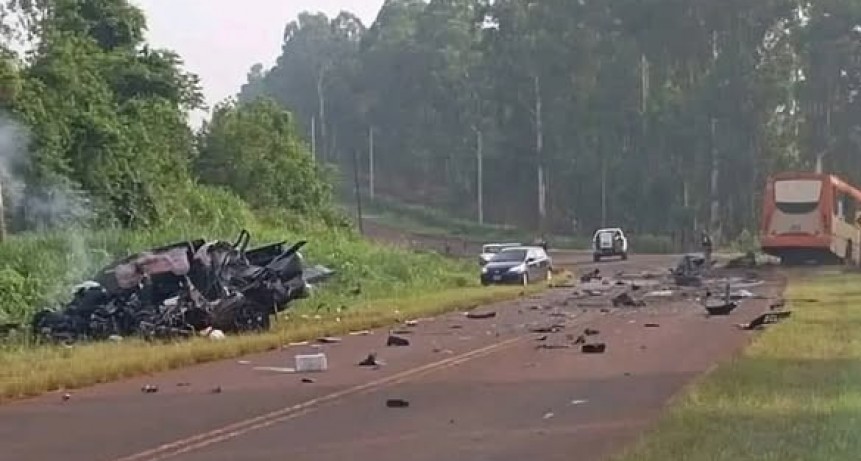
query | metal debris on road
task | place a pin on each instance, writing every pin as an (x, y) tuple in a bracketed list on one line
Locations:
[(594, 348), (370, 361), (397, 341), (328, 340), (480, 315), (397, 403), (149, 389)]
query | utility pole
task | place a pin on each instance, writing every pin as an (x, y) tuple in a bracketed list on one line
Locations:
[(358, 189), (539, 148), (2, 216), (371, 162), (603, 190), (479, 153), (313, 138)]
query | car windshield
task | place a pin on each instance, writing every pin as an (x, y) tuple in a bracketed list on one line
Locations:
[(509, 256)]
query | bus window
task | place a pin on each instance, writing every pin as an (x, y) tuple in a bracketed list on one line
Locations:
[(848, 209), (797, 196)]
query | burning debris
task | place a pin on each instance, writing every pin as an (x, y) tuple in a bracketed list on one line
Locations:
[(184, 289)]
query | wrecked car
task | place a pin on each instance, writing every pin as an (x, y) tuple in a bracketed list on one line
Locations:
[(181, 289)]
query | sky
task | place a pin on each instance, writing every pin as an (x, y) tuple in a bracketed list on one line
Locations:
[(220, 40)]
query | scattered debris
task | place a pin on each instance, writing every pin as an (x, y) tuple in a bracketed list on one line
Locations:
[(481, 315), (541, 338), (276, 369), (397, 341), (66, 396), (311, 362), (215, 390), (244, 362), (149, 389), (765, 319), (625, 299), (308, 380), (411, 323), (183, 384), (591, 332), (359, 333), (748, 260), (548, 415), (578, 402), (179, 290), (594, 348), (552, 346), (689, 270), (370, 361), (397, 403), (658, 294), (401, 332), (652, 325), (328, 340), (591, 275), (556, 328)]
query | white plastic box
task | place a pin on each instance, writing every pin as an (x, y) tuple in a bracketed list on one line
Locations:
[(311, 362)]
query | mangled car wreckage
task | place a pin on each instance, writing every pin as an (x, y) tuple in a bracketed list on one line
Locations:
[(182, 289)]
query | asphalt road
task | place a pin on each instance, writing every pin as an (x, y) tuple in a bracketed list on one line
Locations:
[(478, 389)]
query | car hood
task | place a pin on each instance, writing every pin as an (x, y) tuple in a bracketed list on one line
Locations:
[(502, 265)]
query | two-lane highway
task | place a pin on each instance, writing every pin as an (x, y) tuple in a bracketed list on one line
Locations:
[(477, 389)]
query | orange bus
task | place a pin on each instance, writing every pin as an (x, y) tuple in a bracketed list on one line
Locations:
[(811, 217)]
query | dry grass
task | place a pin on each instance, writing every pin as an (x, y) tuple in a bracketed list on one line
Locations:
[(795, 394), (28, 371)]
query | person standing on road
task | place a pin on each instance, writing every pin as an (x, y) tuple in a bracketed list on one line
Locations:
[(706, 243)]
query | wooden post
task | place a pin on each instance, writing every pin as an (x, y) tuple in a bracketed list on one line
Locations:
[(2, 216)]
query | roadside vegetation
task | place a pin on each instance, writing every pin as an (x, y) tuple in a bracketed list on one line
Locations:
[(793, 395), (97, 161)]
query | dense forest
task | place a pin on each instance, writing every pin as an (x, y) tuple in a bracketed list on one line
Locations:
[(94, 130), (663, 116)]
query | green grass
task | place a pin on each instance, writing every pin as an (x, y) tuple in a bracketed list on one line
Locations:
[(794, 394), (27, 371)]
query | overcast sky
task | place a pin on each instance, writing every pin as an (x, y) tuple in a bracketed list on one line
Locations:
[(221, 39)]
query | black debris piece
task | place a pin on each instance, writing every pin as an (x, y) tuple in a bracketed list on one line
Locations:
[(481, 315), (216, 390), (580, 340), (720, 307), (652, 325), (690, 270), (626, 300), (765, 319), (594, 348), (328, 340), (541, 338), (397, 341), (184, 289), (369, 361), (308, 380), (547, 329), (591, 275), (397, 403), (591, 332)]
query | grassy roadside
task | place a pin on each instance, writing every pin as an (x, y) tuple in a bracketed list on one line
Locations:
[(33, 371), (795, 394)]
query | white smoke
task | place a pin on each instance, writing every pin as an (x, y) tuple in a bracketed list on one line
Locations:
[(43, 206)]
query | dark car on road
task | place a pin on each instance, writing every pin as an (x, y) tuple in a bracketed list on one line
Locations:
[(522, 265)]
